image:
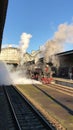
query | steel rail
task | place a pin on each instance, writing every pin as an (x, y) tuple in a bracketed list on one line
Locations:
[(17, 122), (61, 88)]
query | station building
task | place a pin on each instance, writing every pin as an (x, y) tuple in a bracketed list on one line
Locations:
[(65, 60), (10, 55), (13, 55)]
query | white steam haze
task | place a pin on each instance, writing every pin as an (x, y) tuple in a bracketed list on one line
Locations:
[(4, 75), (24, 44), (20, 79), (63, 35), (7, 77)]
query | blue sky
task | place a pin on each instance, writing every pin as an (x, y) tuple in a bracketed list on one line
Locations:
[(40, 18)]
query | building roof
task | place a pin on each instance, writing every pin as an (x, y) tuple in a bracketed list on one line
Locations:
[(3, 10), (9, 47), (65, 53)]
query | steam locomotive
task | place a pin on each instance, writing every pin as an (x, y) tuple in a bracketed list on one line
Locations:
[(43, 75), (47, 75)]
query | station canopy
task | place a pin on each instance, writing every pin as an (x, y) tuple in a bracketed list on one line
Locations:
[(3, 11)]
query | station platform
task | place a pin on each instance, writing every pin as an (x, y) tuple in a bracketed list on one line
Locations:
[(64, 82)]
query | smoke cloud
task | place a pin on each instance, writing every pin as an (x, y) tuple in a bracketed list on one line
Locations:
[(63, 35), (24, 43)]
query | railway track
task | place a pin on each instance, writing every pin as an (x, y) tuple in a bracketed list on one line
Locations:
[(63, 89), (7, 120), (64, 105), (21, 114)]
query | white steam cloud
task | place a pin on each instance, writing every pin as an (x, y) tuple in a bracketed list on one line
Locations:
[(63, 35), (17, 78), (24, 42), (5, 78), (8, 77)]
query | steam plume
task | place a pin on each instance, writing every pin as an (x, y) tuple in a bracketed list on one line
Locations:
[(63, 35), (24, 43)]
